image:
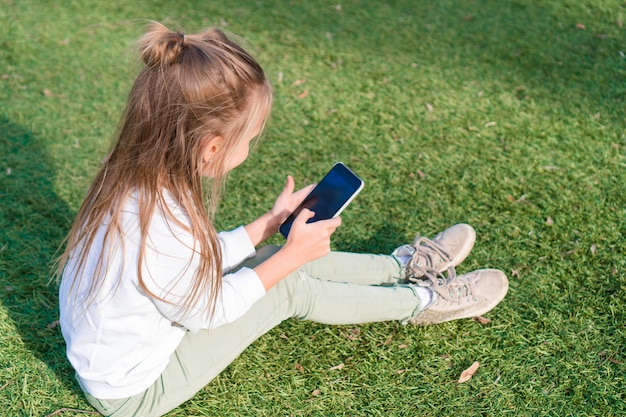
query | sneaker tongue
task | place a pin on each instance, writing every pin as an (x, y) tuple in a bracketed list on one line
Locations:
[(426, 256)]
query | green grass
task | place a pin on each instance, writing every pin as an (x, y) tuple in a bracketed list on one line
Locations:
[(508, 115)]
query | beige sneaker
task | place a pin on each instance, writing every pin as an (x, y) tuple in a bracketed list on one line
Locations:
[(463, 296), (448, 249)]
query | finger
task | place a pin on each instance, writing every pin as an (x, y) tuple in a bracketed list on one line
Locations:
[(301, 194), (304, 215), (307, 189), (328, 226), (335, 222)]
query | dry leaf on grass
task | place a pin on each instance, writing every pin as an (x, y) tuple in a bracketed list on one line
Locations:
[(482, 320), (467, 374), (549, 221), (580, 26), (298, 82), (337, 367), (519, 200), (49, 93), (303, 94), (354, 334), (53, 324), (315, 393), (299, 367)]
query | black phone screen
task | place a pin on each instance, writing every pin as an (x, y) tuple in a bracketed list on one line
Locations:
[(329, 197)]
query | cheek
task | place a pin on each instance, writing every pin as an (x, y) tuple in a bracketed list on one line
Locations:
[(238, 158), (242, 156)]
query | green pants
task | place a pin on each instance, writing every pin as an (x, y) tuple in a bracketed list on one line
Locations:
[(341, 288)]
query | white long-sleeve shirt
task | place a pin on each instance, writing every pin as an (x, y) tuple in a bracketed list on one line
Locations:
[(121, 342)]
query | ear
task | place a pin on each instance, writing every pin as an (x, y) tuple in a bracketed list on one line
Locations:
[(210, 147)]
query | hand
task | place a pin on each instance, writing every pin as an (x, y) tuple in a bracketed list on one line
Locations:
[(288, 200), (305, 243), (309, 241), (266, 225)]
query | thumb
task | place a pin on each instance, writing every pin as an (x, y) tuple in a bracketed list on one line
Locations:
[(289, 185)]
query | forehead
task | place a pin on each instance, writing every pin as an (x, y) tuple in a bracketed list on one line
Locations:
[(259, 108)]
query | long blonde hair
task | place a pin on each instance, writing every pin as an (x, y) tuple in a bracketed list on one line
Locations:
[(192, 87)]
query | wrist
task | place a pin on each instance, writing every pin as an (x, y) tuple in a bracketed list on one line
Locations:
[(262, 228), (273, 223), (277, 267)]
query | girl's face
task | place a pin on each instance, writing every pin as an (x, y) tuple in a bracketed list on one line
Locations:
[(240, 154), (237, 156)]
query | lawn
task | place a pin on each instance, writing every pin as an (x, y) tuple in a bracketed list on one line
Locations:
[(508, 115)]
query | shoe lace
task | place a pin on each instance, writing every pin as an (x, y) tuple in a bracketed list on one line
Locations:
[(426, 254), (451, 288)]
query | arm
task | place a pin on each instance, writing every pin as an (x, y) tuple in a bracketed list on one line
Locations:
[(169, 268), (262, 228)]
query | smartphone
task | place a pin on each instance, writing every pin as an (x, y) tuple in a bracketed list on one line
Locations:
[(329, 197)]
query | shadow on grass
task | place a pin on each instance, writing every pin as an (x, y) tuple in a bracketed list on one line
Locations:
[(33, 223)]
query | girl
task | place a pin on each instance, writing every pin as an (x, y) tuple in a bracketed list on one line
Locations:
[(155, 302)]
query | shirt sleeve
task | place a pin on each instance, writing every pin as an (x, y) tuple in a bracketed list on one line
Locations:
[(236, 248), (171, 262)]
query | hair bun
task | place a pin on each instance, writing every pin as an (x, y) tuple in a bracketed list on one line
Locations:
[(161, 46)]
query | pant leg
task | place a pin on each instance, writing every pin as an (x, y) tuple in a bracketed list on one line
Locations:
[(357, 268), (201, 356)]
